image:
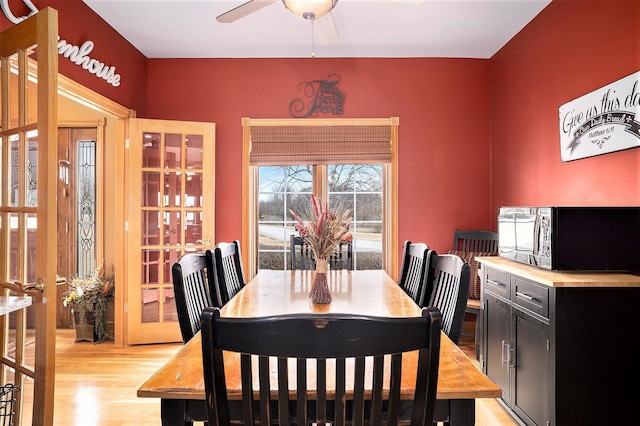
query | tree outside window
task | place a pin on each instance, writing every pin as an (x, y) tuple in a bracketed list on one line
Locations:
[(357, 187)]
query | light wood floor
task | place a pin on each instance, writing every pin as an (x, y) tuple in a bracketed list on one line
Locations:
[(96, 384)]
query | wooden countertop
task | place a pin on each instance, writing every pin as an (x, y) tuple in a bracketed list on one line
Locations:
[(561, 279)]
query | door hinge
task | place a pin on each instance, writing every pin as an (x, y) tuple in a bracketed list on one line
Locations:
[(126, 308), (126, 226), (548, 344), (126, 143)]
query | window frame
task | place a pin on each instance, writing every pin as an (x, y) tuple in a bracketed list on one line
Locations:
[(249, 240)]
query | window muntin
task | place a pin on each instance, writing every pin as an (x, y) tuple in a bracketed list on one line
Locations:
[(357, 187)]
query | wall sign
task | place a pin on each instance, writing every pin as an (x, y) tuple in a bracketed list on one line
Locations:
[(79, 56), (76, 54), (603, 121), (323, 96), (4, 4)]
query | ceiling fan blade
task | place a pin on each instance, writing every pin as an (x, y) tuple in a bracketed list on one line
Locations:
[(325, 31), (243, 10)]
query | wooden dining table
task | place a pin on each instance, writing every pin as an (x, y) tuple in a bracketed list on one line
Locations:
[(179, 384)]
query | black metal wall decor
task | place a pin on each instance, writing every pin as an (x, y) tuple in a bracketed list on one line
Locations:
[(323, 96)]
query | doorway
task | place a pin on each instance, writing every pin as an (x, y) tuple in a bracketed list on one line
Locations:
[(77, 210)]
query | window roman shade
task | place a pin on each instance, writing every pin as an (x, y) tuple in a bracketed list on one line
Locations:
[(329, 144)]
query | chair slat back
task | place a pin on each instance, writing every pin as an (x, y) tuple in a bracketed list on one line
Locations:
[(475, 241), (191, 283), (448, 283), (412, 270), (302, 256), (229, 274), (332, 341)]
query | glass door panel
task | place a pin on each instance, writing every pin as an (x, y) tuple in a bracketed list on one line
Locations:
[(173, 165)]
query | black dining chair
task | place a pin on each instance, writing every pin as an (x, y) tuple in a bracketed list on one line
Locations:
[(412, 270), (229, 274), (302, 256), (192, 281), (446, 288), (339, 342), (468, 245)]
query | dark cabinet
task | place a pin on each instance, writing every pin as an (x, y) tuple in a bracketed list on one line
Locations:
[(497, 315), (529, 365), (517, 346), (557, 343)]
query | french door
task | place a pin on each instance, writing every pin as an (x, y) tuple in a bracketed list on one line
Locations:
[(171, 175), (28, 177)]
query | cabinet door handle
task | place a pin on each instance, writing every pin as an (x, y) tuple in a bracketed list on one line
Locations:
[(525, 296), (509, 351), (502, 360), (497, 283)]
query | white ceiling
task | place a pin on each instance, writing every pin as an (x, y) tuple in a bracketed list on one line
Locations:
[(366, 28)]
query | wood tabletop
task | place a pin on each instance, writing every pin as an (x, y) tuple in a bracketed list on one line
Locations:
[(561, 279), (356, 292)]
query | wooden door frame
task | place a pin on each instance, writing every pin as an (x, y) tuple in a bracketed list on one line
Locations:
[(250, 187), (93, 100), (138, 331), (40, 30)]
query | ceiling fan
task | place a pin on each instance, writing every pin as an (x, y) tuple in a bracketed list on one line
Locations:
[(316, 11)]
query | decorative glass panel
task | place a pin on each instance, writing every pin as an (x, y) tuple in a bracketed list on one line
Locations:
[(169, 312), (172, 189), (150, 304), (151, 189), (150, 228), (193, 190), (14, 173), (86, 214), (32, 247), (150, 266), (13, 244), (151, 150), (32, 170), (194, 152), (193, 227), (173, 151), (170, 257), (172, 228)]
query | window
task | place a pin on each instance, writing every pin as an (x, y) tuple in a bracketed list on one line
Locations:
[(287, 159), (357, 187)]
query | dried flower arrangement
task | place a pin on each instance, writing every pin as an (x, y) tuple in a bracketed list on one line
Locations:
[(326, 228), (323, 232), (92, 294)]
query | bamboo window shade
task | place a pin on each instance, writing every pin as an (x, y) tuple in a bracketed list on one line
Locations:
[(331, 144)]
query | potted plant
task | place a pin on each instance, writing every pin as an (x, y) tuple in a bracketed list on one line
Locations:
[(89, 298)]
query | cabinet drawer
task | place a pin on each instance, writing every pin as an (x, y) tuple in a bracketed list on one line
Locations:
[(531, 296), (497, 282)]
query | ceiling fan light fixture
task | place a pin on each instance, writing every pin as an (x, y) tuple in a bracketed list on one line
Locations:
[(310, 9)]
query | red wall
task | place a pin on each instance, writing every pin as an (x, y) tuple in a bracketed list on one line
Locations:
[(443, 105), (474, 134), (77, 23), (570, 49)]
